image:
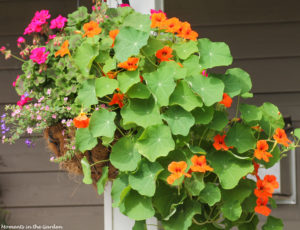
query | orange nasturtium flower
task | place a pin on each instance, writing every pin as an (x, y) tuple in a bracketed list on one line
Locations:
[(81, 121), (220, 142), (113, 34), (131, 64), (261, 151), (164, 54), (177, 169), (185, 31), (281, 137), (171, 25), (91, 29), (157, 19), (227, 101), (64, 49), (261, 190), (261, 206), (117, 99), (199, 164), (270, 183)]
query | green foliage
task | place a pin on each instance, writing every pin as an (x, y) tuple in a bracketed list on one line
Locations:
[(210, 194), (273, 224), (195, 184), (84, 140), (105, 86), (86, 168), (128, 79), (102, 181), (102, 123), (87, 93), (185, 49)]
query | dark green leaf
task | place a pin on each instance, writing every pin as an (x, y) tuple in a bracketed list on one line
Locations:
[(127, 79), (102, 181), (273, 223), (102, 123), (204, 115), (232, 210), (250, 113), (87, 93), (105, 86), (85, 140), (219, 121), (139, 90), (195, 184), (210, 194)]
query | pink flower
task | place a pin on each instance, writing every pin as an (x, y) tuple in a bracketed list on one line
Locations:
[(39, 117), (21, 40), (69, 108), (15, 82), (49, 91), (52, 159), (47, 108), (2, 48), (58, 23), (39, 55), (125, 5), (29, 130), (152, 11), (39, 19), (54, 116), (24, 100), (52, 36), (204, 73)]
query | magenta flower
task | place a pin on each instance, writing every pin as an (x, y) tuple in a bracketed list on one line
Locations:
[(58, 23), (204, 73), (24, 100), (39, 55), (39, 19), (125, 5), (152, 11), (21, 40), (15, 82), (52, 36), (2, 48)]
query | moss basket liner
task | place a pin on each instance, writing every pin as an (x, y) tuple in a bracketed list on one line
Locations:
[(55, 140)]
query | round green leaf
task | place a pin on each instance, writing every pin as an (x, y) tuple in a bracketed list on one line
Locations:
[(144, 180), (84, 140), (173, 69), (204, 115), (102, 123), (86, 169), (209, 88), (105, 86), (119, 189), (141, 112), (185, 97), (87, 93), (273, 223), (139, 90), (195, 184), (185, 49), (153, 45), (102, 181), (219, 121), (124, 156), (229, 168), (241, 137), (250, 113), (156, 141), (232, 210), (210, 194), (127, 79), (110, 64), (179, 120), (138, 21), (140, 225), (213, 53), (297, 133), (192, 65), (237, 81)]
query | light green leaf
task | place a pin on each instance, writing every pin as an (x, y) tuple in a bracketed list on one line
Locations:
[(209, 88), (102, 123), (156, 141), (85, 55), (119, 189), (219, 121), (250, 113), (273, 223), (87, 93), (105, 44), (210, 194), (204, 115), (232, 210), (153, 45), (138, 207), (141, 112), (297, 133), (138, 21), (173, 69), (78, 16), (144, 180), (140, 225), (192, 65), (124, 156), (127, 79), (197, 150), (128, 42), (179, 120), (195, 184), (185, 97), (228, 168), (213, 53), (110, 64), (241, 137), (105, 86), (185, 49), (102, 181), (87, 174), (139, 90), (84, 140)]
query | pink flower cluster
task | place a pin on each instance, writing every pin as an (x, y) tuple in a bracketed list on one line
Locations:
[(39, 55), (125, 5), (36, 24), (58, 23), (152, 11), (24, 100), (15, 82)]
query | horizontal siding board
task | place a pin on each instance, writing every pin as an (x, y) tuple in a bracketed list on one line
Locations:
[(7, 92), (216, 12), (70, 218), (46, 189)]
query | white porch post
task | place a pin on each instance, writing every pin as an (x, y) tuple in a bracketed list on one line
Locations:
[(113, 219)]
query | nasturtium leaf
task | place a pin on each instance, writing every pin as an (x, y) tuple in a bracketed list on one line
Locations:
[(105, 86), (210, 194), (118, 187), (197, 150), (185, 49), (192, 65), (153, 45), (85, 140), (102, 181), (195, 184), (105, 44), (102, 57), (138, 207), (127, 79), (110, 64), (128, 43), (272, 203), (251, 225), (107, 140), (247, 95), (140, 225), (213, 53), (124, 155), (141, 112), (156, 141), (179, 120), (138, 21), (241, 137), (87, 173), (183, 217), (229, 168), (78, 16), (273, 223), (185, 97), (232, 210), (102, 123), (173, 69), (87, 93), (204, 115), (139, 90), (250, 113), (161, 84), (209, 88), (219, 121), (144, 180), (85, 55), (297, 133)]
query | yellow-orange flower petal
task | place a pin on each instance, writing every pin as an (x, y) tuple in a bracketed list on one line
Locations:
[(64, 49), (91, 29)]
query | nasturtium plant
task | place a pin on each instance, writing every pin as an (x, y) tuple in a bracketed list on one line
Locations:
[(142, 90)]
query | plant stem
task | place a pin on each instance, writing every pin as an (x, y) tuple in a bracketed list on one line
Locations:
[(237, 107), (99, 162), (19, 59), (148, 58)]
